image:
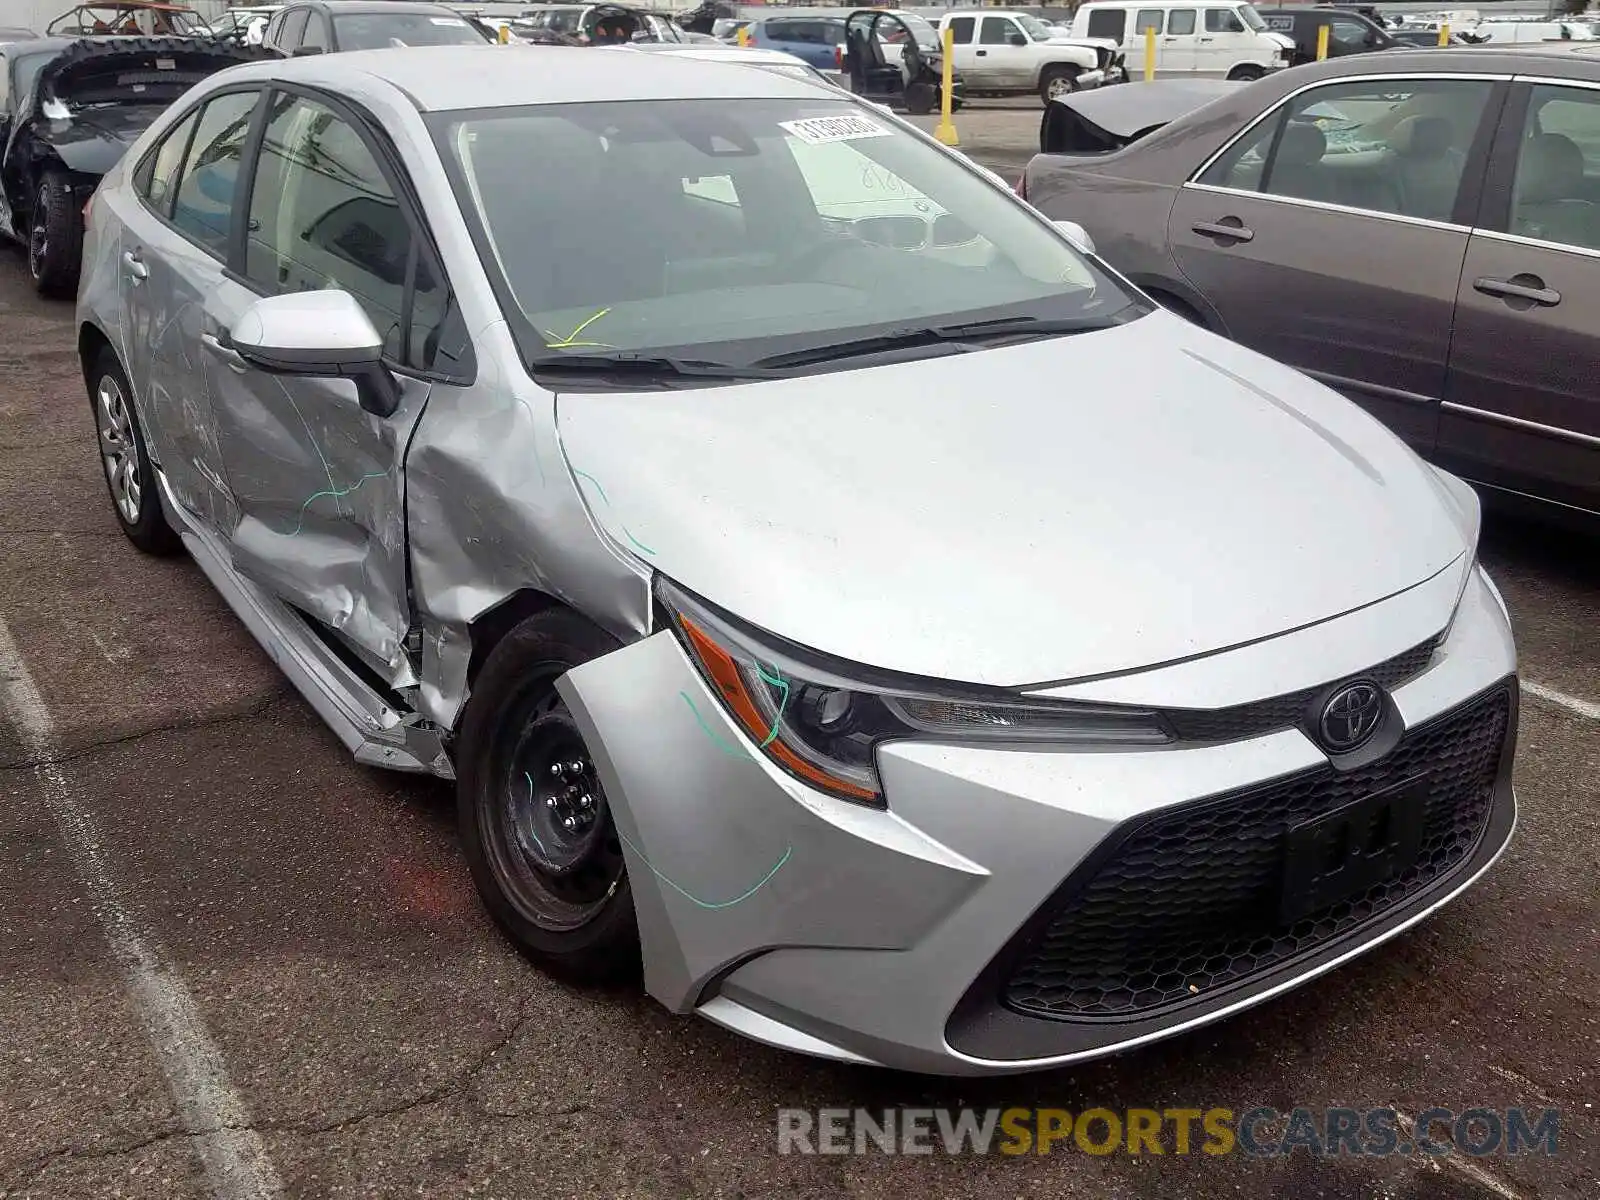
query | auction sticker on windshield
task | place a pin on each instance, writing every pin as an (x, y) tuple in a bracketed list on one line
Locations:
[(817, 130)]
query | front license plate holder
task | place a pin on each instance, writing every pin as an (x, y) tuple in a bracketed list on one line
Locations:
[(1343, 853)]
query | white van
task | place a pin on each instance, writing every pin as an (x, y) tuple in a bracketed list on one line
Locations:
[(1219, 39)]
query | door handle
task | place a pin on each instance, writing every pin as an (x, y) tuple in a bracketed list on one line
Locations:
[(1229, 228), (216, 347), (981, 53), (134, 265), (1519, 287), (1207, 39)]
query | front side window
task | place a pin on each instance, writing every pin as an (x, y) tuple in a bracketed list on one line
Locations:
[(1556, 196), (203, 207), (1251, 18), (294, 27), (316, 32), (1180, 21), (731, 233), (157, 177), (1107, 23), (1223, 20), (1349, 34), (381, 31), (996, 31), (1036, 29), (1390, 146)]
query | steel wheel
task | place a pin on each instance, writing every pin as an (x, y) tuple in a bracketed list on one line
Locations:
[(118, 453), (553, 837)]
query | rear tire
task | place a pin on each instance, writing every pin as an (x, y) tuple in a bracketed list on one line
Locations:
[(560, 891), (1246, 73), (124, 460), (55, 238), (921, 99), (1057, 81)]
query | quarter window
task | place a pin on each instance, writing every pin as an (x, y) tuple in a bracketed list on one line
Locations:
[(157, 177), (294, 28), (203, 207), (1180, 21), (316, 32), (1390, 146), (1556, 196)]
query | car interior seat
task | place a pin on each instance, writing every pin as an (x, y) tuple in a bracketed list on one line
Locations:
[(1428, 166), (1297, 168), (1548, 202)]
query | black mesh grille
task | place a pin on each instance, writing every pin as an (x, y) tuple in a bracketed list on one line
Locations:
[(1189, 901), (1279, 712)]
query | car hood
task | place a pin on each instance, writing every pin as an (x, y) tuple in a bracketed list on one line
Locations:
[(1064, 508)]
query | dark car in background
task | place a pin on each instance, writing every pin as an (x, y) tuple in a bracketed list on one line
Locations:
[(1349, 32), (329, 26), (70, 108), (1418, 229), (819, 40)]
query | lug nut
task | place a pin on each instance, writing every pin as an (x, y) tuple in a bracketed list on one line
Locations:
[(586, 801), (549, 801), (568, 824), (557, 770), (575, 767)]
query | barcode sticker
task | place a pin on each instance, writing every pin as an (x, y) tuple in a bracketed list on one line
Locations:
[(166, 64), (817, 130)]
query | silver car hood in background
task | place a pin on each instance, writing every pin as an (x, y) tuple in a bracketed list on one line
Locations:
[(1062, 508)]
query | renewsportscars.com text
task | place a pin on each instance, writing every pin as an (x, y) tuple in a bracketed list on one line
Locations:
[(1256, 1132)]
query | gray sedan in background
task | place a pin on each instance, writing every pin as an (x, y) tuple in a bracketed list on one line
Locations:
[(1418, 229), (827, 589)]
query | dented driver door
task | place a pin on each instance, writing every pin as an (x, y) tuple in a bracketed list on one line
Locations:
[(318, 480)]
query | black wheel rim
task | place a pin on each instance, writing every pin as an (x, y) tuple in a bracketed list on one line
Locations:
[(38, 235), (550, 831)]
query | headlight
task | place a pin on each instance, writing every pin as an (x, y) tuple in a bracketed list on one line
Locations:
[(823, 727)]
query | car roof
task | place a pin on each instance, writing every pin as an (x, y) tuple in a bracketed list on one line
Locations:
[(445, 78), (377, 6), (1574, 60)]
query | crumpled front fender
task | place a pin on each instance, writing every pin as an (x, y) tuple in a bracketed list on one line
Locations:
[(727, 855)]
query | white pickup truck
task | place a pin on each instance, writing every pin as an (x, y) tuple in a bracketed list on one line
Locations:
[(1007, 54)]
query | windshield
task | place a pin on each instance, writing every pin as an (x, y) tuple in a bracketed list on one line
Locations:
[(380, 31), (729, 233), (1037, 29), (1249, 15), (26, 71)]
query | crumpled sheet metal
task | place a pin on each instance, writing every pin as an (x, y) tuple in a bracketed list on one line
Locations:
[(493, 509)]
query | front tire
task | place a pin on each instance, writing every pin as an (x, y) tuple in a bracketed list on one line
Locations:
[(124, 459), (1057, 81), (536, 828), (1246, 73), (55, 238)]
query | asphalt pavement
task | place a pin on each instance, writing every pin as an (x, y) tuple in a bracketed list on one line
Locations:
[(233, 962)]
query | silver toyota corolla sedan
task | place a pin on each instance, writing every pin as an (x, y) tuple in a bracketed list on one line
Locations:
[(826, 586)]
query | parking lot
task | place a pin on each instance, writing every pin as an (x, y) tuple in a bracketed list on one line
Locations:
[(234, 962)]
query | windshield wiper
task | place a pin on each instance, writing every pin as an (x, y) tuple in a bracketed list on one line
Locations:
[(960, 337), (650, 365)]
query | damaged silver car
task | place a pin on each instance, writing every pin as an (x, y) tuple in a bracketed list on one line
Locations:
[(828, 588)]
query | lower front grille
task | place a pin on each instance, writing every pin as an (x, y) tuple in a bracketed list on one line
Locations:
[(1187, 902)]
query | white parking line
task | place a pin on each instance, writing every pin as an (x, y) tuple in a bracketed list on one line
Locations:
[(1584, 708), (232, 1152)]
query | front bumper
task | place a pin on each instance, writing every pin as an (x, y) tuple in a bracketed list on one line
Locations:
[(910, 938)]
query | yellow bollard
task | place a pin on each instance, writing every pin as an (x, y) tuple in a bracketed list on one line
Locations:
[(744, 36), (1149, 53), (1444, 35), (945, 131), (505, 35), (1322, 42)]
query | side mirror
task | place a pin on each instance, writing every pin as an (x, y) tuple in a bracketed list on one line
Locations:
[(1016, 39), (323, 334), (304, 51), (1077, 235)]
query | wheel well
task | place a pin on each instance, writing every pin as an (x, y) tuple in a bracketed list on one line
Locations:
[(489, 627), (1061, 68), (1178, 305), (90, 342)]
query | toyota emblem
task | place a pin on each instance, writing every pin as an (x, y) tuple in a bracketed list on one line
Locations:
[(1350, 716)]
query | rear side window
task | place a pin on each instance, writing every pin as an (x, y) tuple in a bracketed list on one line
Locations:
[(157, 177), (203, 208), (1149, 18), (1108, 23), (1181, 20)]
